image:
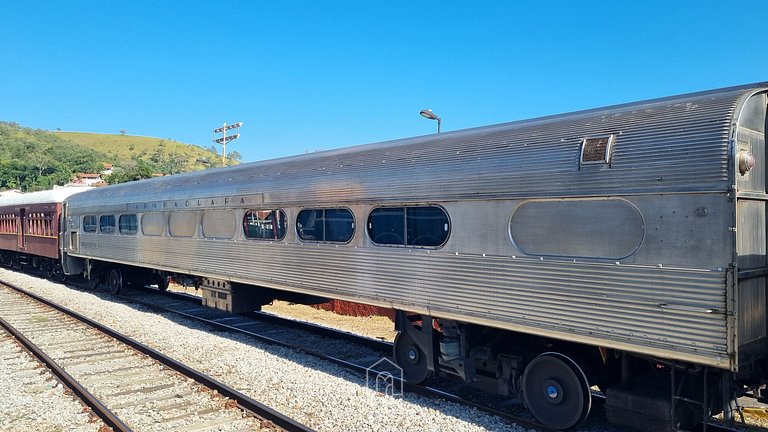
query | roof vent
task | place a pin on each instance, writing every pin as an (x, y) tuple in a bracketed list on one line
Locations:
[(597, 150)]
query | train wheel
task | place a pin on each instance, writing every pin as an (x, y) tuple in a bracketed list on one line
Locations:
[(411, 359), (115, 281), (50, 269), (93, 281), (163, 282), (556, 391)]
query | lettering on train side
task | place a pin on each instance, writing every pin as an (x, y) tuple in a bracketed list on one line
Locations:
[(214, 202)]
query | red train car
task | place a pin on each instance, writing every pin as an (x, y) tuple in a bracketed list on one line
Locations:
[(29, 229)]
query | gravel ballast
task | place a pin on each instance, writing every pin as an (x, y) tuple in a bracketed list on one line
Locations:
[(314, 392), (31, 399)]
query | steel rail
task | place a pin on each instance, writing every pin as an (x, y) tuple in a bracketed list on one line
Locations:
[(245, 402), (105, 414), (344, 335), (363, 370), (379, 345)]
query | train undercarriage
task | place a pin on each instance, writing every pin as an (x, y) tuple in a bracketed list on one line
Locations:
[(219, 294), (557, 380), (48, 266)]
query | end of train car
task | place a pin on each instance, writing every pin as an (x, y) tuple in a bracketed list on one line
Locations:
[(30, 226)]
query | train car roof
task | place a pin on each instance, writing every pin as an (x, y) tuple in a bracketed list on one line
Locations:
[(42, 197), (662, 145)]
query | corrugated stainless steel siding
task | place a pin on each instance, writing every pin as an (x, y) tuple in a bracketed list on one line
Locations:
[(676, 311), (661, 146)]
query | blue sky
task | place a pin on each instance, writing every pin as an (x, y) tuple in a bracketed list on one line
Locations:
[(315, 75)]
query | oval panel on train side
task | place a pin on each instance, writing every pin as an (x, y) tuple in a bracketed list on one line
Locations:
[(578, 228)]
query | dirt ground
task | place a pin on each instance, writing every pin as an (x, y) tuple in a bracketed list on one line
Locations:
[(374, 326), (377, 327)]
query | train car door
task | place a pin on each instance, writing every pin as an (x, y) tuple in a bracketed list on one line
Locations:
[(22, 228), (750, 160)]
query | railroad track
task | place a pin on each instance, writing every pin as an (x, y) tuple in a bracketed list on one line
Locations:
[(348, 350), (33, 399), (335, 347), (272, 329), (128, 385)]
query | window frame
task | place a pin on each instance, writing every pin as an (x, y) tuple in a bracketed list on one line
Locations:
[(324, 209), (135, 225), (95, 224), (39, 224), (279, 211), (405, 237), (113, 225), (9, 224)]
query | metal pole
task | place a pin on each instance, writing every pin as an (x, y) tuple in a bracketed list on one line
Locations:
[(223, 140), (224, 147)]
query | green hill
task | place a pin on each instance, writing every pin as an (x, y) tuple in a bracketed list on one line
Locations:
[(35, 159), (166, 156)]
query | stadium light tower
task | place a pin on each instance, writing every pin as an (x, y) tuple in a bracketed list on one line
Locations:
[(225, 139), (428, 114)]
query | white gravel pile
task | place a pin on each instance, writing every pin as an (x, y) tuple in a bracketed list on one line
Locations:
[(31, 399), (314, 392)]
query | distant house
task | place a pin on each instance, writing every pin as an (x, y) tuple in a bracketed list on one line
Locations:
[(107, 169), (88, 179)]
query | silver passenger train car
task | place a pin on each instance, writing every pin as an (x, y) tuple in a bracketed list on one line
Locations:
[(623, 247)]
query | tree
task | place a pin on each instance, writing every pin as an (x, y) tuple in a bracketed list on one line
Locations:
[(131, 170), (235, 155)]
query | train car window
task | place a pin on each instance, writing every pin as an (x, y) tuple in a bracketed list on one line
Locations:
[(339, 225), (128, 224), (386, 226), (107, 224), (40, 224), (8, 223), (264, 224), (90, 223), (309, 225), (153, 224), (326, 225), (426, 226), (219, 224), (182, 224)]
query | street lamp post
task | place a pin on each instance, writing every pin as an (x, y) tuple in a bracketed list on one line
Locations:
[(428, 114), (225, 139)]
